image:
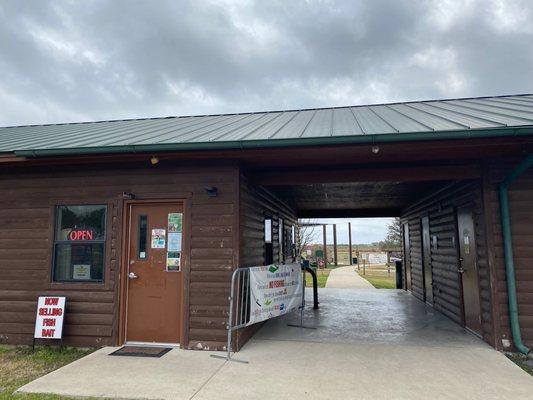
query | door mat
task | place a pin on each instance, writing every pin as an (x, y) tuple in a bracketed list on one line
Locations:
[(137, 351)]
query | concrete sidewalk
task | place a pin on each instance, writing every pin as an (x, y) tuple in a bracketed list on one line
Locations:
[(379, 345), (346, 278)]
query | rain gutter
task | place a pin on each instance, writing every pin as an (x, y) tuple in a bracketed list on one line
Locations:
[(508, 252), (272, 143)]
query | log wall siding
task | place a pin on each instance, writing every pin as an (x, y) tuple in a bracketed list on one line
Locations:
[(447, 289), (92, 316), (254, 203), (521, 206)]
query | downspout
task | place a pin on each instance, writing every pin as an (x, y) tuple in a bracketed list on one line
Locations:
[(508, 252)]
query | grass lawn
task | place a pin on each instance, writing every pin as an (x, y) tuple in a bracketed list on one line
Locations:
[(19, 365), (380, 279), (321, 276)]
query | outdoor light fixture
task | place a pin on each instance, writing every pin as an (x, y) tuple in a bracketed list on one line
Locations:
[(128, 196), (375, 149), (154, 160), (212, 191)]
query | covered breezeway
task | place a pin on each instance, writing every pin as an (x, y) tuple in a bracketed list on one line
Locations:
[(427, 198), (369, 344)]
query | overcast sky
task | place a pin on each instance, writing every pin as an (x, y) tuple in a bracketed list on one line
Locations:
[(64, 61), (95, 59), (364, 230)]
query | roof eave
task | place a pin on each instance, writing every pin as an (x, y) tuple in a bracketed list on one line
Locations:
[(292, 142)]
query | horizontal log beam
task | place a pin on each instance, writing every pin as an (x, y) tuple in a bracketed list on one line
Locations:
[(291, 177), (350, 213)]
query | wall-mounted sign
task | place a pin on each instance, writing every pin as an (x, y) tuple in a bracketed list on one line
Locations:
[(49, 321), (81, 234)]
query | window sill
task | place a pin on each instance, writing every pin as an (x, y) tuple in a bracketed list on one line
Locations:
[(97, 286)]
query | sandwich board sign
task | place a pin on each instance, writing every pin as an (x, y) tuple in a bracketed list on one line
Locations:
[(49, 321)]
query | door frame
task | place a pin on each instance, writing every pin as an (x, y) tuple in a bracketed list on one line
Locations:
[(406, 248), (186, 254), (427, 268), (471, 207)]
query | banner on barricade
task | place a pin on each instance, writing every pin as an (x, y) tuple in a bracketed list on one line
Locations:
[(274, 290)]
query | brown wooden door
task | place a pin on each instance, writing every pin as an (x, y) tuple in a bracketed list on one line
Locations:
[(407, 256), (426, 261), (468, 268), (154, 273)]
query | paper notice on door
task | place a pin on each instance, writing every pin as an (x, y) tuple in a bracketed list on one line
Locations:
[(175, 222), (158, 238), (174, 241), (173, 260), (81, 272)]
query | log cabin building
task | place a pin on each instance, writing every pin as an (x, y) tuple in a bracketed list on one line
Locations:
[(140, 223)]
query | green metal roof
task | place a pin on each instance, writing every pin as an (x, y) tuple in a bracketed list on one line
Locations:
[(409, 121)]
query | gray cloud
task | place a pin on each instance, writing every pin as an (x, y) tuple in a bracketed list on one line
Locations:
[(69, 61)]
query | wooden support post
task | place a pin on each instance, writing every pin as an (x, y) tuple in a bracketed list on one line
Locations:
[(350, 243), (325, 247), (335, 258)]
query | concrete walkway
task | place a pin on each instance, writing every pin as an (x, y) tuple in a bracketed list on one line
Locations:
[(380, 344), (346, 278)]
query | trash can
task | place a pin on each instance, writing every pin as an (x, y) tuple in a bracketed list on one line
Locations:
[(398, 266)]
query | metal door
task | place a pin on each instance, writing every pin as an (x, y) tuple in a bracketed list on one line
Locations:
[(154, 273), (426, 261), (468, 268)]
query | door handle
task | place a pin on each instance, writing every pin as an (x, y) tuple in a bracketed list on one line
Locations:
[(132, 275)]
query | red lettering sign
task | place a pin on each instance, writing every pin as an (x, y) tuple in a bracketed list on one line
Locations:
[(80, 235), (48, 333), (51, 301), (50, 312), (49, 322)]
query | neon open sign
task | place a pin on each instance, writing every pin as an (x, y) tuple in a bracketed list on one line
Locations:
[(80, 235)]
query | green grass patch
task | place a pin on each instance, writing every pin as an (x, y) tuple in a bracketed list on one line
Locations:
[(20, 365), (321, 277), (380, 279)]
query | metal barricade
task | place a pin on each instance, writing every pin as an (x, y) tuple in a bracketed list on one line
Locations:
[(239, 308)]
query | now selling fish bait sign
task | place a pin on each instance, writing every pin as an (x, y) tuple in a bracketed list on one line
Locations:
[(49, 321)]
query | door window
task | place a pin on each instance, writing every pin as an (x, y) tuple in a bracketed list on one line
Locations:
[(143, 237)]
